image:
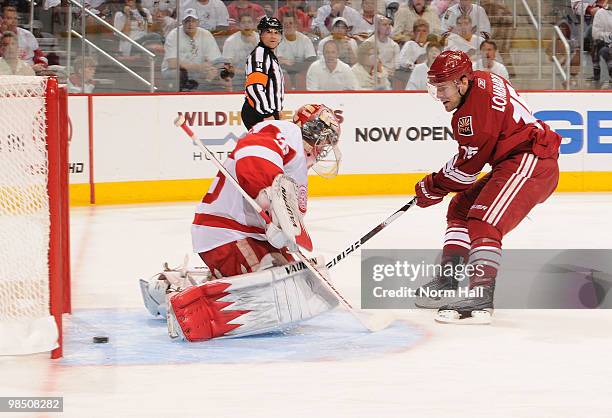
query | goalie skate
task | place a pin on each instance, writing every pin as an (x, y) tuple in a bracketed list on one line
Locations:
[(154, 290), (477, 310)]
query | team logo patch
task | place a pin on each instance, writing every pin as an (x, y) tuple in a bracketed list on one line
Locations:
[(482, 84), (464, 126), (302, 198)]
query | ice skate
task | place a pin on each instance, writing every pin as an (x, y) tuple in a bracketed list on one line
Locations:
[(475, 309), (437, 293), (440, 291)]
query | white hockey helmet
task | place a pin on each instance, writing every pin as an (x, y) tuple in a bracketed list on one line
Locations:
[(320, 134)]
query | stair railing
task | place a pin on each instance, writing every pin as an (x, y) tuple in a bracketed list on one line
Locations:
[(556, 65), (537, 23)]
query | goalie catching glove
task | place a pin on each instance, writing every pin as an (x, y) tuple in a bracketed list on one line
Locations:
[(287, 227)]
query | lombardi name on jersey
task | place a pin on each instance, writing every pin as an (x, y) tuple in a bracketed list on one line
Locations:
[(499, 93)]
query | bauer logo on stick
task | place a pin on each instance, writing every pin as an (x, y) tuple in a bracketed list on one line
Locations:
[(464, 126)]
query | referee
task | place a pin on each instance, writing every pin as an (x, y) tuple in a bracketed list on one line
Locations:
[(264, 87)]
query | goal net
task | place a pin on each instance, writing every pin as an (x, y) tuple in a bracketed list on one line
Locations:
[(31, 194)]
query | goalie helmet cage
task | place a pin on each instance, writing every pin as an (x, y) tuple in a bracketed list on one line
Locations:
[(34, 215)]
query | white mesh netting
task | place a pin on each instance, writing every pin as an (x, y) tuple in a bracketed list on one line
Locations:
[(25, 323)]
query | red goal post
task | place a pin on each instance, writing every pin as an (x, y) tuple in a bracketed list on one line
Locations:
[(34, 215)]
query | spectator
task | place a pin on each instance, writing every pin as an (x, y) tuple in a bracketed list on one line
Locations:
[(154, 6), (365, 25), (28, 49), (369, 71), (602, 33), (406, 16), (347, 47), (220, 77), (198, 49), (81, 80), (327, 14), (10, 63), (478, 16), (296, 52), (212, 14), (418, 77), (163, 22), (586, 7), (302, 18), (441, 6), (329, 73), (238, 46), (387, 50), (488, 61), (464, 40), (416, 48), (134, 21), (242, 7)]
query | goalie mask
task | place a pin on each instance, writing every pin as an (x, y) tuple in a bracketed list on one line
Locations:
[(320, 134)]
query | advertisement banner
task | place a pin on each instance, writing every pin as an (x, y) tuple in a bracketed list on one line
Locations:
[(79, 141), (382, 133)]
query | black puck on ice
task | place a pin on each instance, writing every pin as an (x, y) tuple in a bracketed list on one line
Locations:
[(100, 340)]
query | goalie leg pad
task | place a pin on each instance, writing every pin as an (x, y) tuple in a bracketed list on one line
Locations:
[(254, 303)]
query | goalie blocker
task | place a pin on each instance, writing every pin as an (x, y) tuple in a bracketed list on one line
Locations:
[(253, 303)]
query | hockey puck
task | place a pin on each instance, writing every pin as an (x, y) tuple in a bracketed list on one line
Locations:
[(100, 340)]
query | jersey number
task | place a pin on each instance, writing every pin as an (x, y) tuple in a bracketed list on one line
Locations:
[(212, 196), (282, 143), (521, 110)]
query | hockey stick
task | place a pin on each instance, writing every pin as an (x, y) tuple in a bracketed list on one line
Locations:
[(370, 234), (369, 320)]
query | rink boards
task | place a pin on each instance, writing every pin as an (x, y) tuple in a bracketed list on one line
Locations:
[(125, 148)]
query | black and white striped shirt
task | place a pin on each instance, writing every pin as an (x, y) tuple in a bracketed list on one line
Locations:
[(264, 87)]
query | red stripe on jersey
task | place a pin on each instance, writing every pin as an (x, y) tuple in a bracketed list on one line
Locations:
[(264, 138), (254, 174), (289, 156), (215, 221)]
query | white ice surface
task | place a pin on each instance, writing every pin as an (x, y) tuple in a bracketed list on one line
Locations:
[(527, 364)]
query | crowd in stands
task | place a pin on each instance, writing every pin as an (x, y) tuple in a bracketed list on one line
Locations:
[(327, 44)]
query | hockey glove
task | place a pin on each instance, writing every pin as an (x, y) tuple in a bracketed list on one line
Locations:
[(279, 239), (427, 192), (287, 227)]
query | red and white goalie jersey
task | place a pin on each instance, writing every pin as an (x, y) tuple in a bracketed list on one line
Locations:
[(492, 124), (269, 148)]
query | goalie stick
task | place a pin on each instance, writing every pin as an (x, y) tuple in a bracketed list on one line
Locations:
[(371, 321)]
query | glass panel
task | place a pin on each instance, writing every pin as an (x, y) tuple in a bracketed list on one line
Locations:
[(327, 45)]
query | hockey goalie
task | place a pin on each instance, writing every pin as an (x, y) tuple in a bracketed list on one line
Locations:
[(253, 285)]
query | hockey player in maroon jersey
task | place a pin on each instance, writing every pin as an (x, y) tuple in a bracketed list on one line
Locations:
[(492, 125)]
